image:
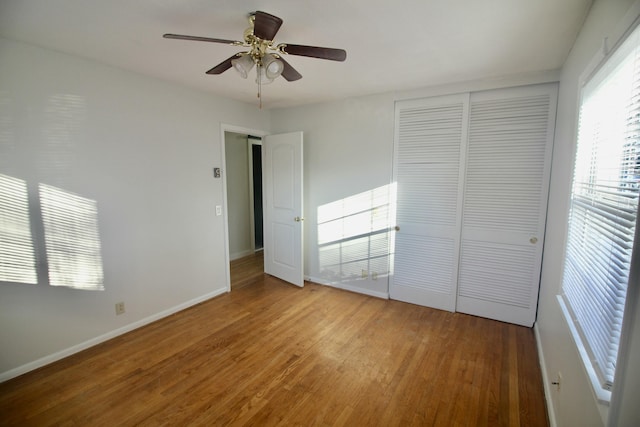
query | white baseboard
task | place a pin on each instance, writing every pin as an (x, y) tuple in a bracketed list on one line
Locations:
[(5, 376), (546, 381), (383, 295), (237, 255)]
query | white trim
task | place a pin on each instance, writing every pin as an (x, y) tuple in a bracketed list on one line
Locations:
[(625, 358), (355, 289), (252, 225), (5, 376), (609, 46), (252, 209), (546, 381), (235, 129), (601, 395), (612, 42), (237, 255)]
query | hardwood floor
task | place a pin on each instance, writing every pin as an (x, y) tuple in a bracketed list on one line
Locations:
[(247, 270), (269, 353)]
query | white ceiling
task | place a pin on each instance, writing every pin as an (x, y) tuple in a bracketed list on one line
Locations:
[(391, 45)]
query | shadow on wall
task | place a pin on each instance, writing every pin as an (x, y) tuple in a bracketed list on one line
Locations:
[(67, 224), (354, 237)]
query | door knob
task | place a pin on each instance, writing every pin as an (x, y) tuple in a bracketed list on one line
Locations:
[(397, 228), (298, 219), (533, 240)]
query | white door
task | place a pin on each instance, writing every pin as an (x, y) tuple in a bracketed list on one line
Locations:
[(505, 202), (429, 147), (283, 215)]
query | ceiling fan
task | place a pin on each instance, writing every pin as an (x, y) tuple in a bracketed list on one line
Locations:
[(263, 53)]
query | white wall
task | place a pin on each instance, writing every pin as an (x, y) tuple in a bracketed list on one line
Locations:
[(144, 150), (575, 403), (237, 172), (348, 148), (348, 151)]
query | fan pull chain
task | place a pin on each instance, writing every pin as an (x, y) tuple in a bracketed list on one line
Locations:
[(259, 86)]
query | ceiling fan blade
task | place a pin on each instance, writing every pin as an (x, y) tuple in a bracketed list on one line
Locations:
[(200, 39), (314, 51), (289, 73), (266, 26), (223, 66)]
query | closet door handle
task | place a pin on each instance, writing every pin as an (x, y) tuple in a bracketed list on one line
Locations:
[(533, 240), (397, 228)]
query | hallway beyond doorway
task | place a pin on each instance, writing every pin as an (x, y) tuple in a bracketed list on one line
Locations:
[(247, 270)]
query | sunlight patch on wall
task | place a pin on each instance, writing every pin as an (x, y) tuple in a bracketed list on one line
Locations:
[(71, 239), (353, 236), (17, 255)]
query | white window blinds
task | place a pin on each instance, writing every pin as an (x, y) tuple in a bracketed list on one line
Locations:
[(604, 205)]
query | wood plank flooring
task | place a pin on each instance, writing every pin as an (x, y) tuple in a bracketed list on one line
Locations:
[(269, 353), (247, 270)]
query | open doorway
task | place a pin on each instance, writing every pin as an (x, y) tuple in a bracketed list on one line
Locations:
[(255, 191), (282, 204), (243, 167)]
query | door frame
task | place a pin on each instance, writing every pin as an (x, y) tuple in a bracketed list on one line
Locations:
[(251, 141), (235, 129)]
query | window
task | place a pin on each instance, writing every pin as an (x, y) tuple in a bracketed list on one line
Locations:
[(604, 206)]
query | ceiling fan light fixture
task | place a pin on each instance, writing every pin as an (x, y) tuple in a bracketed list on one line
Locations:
[(272, 66), (263, 53), (262, 77), (243, 65)]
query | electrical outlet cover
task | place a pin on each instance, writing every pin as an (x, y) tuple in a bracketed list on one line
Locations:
[(119, 307)]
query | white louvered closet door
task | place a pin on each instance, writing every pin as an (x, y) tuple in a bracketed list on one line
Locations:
[(505, 202), (429, 141)]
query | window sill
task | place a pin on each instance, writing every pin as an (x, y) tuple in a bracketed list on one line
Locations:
[(603, 396)]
